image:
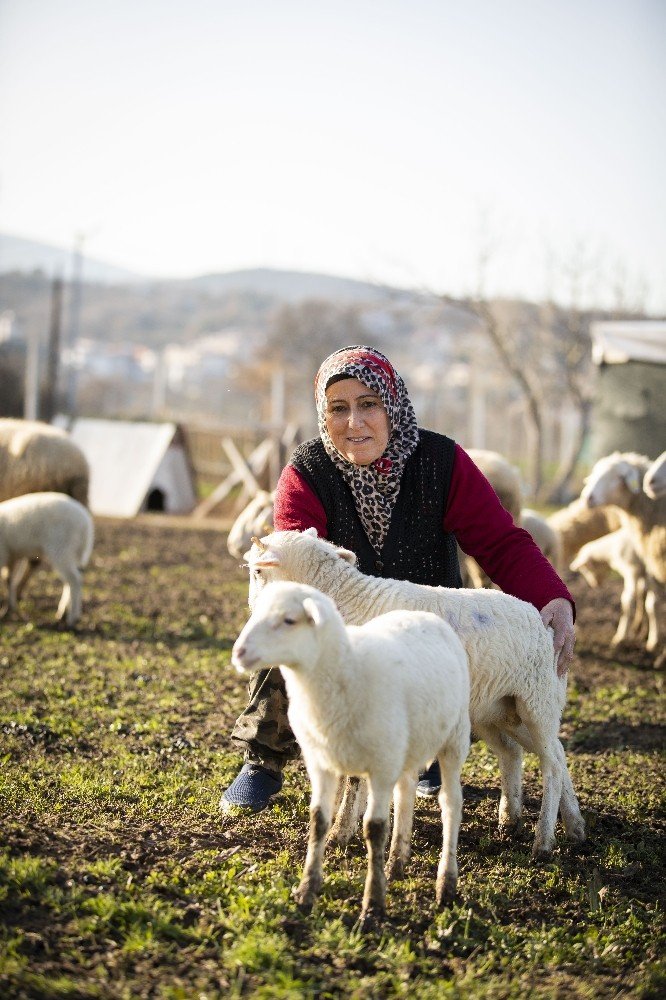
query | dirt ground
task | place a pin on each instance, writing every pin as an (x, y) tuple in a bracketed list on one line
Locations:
[(142, 693)]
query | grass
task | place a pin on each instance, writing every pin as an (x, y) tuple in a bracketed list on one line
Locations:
[(119, 878)]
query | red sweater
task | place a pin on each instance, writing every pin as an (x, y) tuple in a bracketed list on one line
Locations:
[(483, 528)]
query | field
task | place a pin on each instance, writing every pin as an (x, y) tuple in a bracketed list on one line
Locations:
[(119, 878)]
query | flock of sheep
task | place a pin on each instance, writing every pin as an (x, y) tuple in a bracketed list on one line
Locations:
[(384, 675)]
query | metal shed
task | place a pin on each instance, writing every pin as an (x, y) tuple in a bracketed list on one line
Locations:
[(136, 466), (629, 411)]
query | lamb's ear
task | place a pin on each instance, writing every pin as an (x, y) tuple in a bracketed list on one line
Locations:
[(632, 478), (311, 531), (313, 611), (265, 557), (346, 554)]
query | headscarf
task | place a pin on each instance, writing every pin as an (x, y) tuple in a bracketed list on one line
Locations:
[(374, 487)]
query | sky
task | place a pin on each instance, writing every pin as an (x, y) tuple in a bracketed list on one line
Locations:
[(513, 147)]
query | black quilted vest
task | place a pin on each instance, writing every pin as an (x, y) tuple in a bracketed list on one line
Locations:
[(415, 548)]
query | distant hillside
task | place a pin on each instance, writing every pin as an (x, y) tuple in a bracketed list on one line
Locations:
[(26, 256), (295, 286)]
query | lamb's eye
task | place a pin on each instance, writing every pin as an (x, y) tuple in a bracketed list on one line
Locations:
[(289, 621)]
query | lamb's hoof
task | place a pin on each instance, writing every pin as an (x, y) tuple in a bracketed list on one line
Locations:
[(576, 834), (338, 837), (509, 829), (395, 870), (371, 917), (541, 852), (304, 896), (446, 890)]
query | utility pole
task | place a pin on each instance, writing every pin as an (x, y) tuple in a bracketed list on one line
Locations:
[(74, 324), (53, 361)]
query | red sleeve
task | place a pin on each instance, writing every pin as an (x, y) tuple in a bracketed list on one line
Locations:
[(296, 506), (485, 531)]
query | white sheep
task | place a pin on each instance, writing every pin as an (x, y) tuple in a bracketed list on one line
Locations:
[(617, 480), (516, 696), (36, 458), (376, 701), (576, 524), (506, 481), (49, 526), (616, 552), (654, 481), (255, 519), (504, 478), (543, 534)]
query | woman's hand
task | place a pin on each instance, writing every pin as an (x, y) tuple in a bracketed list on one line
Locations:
[(558, 613)]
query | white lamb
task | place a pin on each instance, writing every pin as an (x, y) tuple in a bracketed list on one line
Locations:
[(254, 519), (516, 696), (50, 526), (616, 552), (617, 480), (376, 701), (654, 481)]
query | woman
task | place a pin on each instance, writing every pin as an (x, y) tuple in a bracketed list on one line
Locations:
[(399, 497)]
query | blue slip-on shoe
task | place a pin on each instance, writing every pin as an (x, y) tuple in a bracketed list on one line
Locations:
[(430, 781), (251, 790)]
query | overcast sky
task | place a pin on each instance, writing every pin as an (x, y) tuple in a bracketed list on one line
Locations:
[(390, 140)]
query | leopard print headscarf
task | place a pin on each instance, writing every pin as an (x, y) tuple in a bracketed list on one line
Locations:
[(375, 487)]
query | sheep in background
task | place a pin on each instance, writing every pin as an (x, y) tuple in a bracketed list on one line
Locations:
[(615, 551), (255, 519), (376, 701), (654, 481), (617, 480), (505, 479), (516, 696), (36, 458), (543, 534), (577, 524), (50, 526)]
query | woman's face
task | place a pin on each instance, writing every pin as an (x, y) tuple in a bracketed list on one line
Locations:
[(357, 421)]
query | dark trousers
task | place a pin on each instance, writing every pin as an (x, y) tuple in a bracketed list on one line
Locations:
[(262, 730)]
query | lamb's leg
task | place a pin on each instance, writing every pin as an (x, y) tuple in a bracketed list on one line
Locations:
[(375, 832), (510, 759), (21, 573), (628, 604), (324, 785), (349, 811), (451, 760), (574, 824), (639, 614), (544, 741), (70, 601), (651, 612), (404, 794)]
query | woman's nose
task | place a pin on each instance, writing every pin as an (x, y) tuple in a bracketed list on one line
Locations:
[(355, 417)]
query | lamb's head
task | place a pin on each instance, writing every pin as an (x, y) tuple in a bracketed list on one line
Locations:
[(289, 555), (614, 480), (654, 483), (287, 627)]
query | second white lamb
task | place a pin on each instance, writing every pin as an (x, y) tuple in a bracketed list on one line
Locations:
[(375, 701)]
